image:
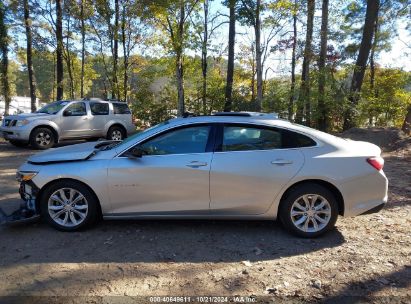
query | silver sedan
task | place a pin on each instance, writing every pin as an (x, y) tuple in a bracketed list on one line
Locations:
[(225, 166)]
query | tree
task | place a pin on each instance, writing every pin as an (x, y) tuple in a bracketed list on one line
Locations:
[(29, 43), (4, 49), (83, 45), (322, 117), (171, 17), (361, 62), (230, 62), (250, 14), (293, 62), (304, 98), (59, 49), (116, 90)]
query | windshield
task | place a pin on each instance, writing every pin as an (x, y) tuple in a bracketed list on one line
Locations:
[(53, 108), (134, 136)]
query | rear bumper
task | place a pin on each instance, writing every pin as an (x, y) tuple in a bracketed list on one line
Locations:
[(365, 194), (375, 209)]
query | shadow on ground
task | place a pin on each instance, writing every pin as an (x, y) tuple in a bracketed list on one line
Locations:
[(156, 241)]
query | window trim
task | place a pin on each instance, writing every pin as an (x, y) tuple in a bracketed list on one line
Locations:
[(209, 146), (220, 133)]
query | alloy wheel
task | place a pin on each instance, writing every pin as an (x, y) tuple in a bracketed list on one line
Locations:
[(310, 213), (116, 135), (68, 207)]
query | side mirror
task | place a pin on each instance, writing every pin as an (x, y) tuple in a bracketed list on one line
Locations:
[(136, 152), (67, 113)]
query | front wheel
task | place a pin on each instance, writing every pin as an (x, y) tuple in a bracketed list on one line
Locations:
[(69, 206), (42, 139), (309, 210)]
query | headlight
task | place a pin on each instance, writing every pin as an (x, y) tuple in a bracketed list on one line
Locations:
[(22, 176), (22, 122)]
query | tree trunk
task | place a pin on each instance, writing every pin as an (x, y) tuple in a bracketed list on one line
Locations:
[(322, 108), (204, 65), (406, 126), (83, 50), (253, 74), (59, 50), (179, 61), (293, 63), (68, 56), (372, 56), (125, 53), (4, 45), (32, 79), (258, 54), (230, 64), (115, 89), (360, 65), (304, 97)]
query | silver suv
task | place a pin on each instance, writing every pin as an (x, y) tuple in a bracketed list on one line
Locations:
[(65, 119)]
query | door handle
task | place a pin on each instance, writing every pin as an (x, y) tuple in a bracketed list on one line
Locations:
[(281, 162), (196, 164)]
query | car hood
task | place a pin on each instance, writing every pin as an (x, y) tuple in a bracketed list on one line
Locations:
[(68, 153), (28, 116)]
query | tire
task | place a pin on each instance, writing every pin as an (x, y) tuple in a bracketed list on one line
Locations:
[(116, 133), (42, 138), (82, 212), (301, 223), (18, 143)]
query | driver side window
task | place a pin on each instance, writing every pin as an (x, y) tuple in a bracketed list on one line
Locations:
[(76, 109), (181, 141)]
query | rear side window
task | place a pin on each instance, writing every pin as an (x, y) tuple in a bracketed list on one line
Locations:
[(246, 138), (99, 108), (121, 108), (240, 138), (296, 140)]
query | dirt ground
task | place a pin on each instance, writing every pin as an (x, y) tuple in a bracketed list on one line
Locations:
[(367, 258)]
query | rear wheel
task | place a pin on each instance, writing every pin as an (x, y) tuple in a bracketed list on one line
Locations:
[(116, 133), (309, 210), (69, 206), (18, 143), (42, 138)]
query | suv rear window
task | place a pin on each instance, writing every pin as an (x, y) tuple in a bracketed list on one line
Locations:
[(99, 108), (121, 108)]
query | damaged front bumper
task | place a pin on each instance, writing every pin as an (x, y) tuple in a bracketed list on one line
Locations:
[(27, 211)]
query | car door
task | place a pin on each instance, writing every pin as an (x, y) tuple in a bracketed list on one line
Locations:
[(172, 177), (98, 118), (75, 122), (249, 169)]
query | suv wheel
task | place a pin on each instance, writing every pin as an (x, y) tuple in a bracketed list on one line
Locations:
[(309, 210), (42, 138), (69, 206), (115, 133)]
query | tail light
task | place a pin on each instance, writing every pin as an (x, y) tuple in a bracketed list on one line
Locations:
[(377, 162)]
